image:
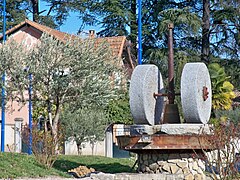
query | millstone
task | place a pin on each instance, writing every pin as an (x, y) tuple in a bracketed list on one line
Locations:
[(145, 108), (195, 76)]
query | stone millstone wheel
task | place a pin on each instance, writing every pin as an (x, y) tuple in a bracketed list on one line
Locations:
[(195, 77), (145, 108)]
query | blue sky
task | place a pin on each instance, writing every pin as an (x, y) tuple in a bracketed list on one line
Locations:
[(72, 24)]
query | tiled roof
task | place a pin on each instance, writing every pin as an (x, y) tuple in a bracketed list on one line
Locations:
[(116, 43), (58, 34)]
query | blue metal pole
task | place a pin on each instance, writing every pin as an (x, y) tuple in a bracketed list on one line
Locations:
[(4, 20), (3, 115), (139, 31), (30, 114), (3, 81)]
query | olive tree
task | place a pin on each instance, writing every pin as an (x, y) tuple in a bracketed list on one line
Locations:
[(85, 124), (75, 72)]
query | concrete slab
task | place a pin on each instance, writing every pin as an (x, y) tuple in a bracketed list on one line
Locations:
[(185, 129), (171, 129)]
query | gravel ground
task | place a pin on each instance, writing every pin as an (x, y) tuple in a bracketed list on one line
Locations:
[(120, 176), (43, 178)]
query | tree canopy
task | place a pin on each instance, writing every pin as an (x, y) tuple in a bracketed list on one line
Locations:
[(206, 28), (76, 73), (15, 13)]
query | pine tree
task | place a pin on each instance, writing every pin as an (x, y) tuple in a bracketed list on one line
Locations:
[(15, 13), (116, 17), (225, 31)]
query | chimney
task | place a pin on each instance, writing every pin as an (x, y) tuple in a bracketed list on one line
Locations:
[(91, 33)]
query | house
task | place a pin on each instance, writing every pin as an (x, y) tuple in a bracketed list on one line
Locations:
[(29, 33)]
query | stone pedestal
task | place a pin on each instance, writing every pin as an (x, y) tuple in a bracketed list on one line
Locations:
[(183, 163), (169, 149)]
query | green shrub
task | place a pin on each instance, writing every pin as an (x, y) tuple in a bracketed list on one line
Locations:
[(222, 89), (232, 115), (118, 110)]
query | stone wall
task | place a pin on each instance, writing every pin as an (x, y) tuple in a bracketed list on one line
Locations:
[(186, 164)]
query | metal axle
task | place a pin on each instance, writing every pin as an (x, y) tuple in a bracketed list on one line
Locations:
[(171, 91)]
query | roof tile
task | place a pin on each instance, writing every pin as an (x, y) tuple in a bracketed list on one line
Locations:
[(116, 43)]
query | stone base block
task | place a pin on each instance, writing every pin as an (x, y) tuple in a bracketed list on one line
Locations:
[(188, 165)]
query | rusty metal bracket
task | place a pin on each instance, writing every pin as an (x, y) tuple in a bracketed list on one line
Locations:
[(159, 94), (205, 93), (165, 142)]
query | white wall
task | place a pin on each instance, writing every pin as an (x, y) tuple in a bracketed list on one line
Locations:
[(9, 137), (71, 148)]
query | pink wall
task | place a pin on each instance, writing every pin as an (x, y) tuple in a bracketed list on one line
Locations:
[(16, 110), (29, 36), (26, 35)]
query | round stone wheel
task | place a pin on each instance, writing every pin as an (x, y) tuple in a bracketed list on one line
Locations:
[(145, 108), (195, 77)]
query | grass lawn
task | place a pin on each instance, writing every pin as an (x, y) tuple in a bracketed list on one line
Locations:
[(99, 163), (14, 165)]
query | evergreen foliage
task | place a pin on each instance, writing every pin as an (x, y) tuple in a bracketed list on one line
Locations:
[(225, 115), (118, 110), (225, 17), (116, 17), (16, 12), (222, 89), (232, 69)]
